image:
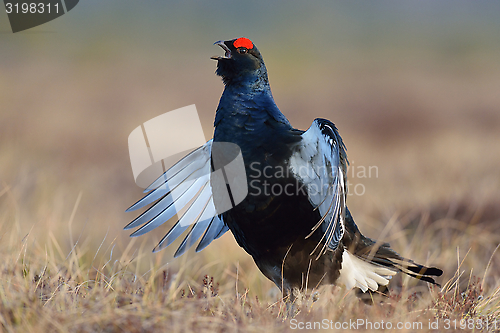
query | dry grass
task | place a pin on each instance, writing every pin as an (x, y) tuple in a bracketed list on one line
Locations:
[(46, 289)]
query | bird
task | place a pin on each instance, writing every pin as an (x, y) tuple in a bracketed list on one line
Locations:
[(294, 220)]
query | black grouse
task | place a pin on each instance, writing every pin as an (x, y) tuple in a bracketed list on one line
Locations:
[(294, 221)]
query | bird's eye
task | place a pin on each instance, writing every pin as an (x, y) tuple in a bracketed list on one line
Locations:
[(242, 50)]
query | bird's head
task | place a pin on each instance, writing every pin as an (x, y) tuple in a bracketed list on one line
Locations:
[(242, 61)]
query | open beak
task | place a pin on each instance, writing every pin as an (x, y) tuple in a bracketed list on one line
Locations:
[(227, 54)]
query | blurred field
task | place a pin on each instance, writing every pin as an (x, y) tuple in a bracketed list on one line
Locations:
[(417, 99)]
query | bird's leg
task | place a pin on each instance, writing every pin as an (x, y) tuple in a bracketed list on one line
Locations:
[(293, 299)]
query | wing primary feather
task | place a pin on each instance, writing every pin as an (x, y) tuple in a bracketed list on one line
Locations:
[(196, 231), (186, 181), (188, 218), (194, 170), (160, 205), (173, 208), (166, 202), (210, 234), (223, 230), (181, 165), (204, 220), (179, 176)]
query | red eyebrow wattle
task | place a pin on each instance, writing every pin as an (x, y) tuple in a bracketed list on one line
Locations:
[(243, 42)]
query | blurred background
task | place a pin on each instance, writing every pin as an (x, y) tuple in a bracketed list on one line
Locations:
[(413, 86)]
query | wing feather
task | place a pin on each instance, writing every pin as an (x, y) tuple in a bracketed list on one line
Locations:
[(197, 157), (211, 233), (319, 162), (187, 181), (168, 206), (198, 228), (169, 181)]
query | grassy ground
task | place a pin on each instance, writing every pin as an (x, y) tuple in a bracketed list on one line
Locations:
[(431, 128), (45, 288)]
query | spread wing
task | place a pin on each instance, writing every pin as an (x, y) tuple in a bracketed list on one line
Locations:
[(184, 187), (319, 163)]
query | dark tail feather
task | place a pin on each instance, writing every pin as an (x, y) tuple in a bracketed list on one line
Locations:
[(434, 271), (387, 257)]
